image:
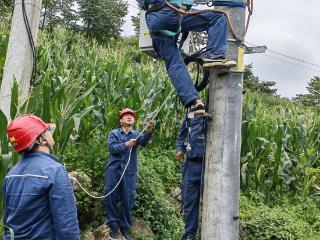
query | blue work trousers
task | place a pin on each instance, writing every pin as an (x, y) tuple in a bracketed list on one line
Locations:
[(119, 203), (192, 184), (166, 19)]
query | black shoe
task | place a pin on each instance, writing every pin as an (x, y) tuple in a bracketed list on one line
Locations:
[(125, 233), (188, 237), (197, 109), (113, 234)]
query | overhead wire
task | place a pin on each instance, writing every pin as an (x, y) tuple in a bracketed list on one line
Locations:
[(292, 63), (293, 58), (287, 56), (250, 11)]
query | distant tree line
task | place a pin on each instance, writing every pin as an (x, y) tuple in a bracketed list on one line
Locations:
[(101, 19)]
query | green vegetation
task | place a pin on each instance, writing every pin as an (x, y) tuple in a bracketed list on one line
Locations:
[(297, 219), (81, 85), (157, 176), (312, 98), (280, 147)]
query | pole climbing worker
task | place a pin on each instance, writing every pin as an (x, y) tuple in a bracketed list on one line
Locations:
[(191, 142), (164, 23), (123, 144), (38, 196)]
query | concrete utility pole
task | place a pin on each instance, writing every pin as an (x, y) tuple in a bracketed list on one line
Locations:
[(19, 59), (220, 214)]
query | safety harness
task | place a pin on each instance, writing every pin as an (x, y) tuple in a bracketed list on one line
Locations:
[(183, 7)]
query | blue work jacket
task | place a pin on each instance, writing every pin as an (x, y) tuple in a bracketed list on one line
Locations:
[(191, 138), (39, 200), (119, 152)]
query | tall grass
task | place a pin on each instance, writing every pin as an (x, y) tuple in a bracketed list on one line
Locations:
[(122, 76)]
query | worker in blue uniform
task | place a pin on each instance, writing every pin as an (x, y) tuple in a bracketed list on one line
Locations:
[(162, 21), (38, 196), (191, 142), (120, 142)]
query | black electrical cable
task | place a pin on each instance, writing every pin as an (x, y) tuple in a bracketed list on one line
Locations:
[(195, 57), (34, 54)]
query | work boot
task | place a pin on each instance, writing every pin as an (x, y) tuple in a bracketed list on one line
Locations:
[(113, 234), (188, 237), (197, 109), (125, 233), (218, 63)]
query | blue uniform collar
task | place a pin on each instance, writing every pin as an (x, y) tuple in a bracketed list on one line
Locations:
[(121, 131), (39, 154)]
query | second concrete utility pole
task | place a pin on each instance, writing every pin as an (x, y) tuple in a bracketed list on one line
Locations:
[(19, 59)]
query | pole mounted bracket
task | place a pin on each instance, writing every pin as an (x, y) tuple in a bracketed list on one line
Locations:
[(256, 49), (206, 115)]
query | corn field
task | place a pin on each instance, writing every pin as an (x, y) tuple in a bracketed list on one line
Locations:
[(280, 151), (81, 85)]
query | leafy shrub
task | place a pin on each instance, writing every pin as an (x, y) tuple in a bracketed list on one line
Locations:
[(165, 165), (280, 222), (153, 205), (91, 159)]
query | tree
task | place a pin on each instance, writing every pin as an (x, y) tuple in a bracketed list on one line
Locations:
[(59, 13), (136, 24), (5, 4), (101, 19), (312, 98), (5, 10), (252, 82)]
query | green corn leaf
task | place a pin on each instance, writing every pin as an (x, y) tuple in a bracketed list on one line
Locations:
[(14, 100)]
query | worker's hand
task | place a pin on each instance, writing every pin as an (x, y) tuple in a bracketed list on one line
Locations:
[(179, 156), (131, 143), (149, 126)]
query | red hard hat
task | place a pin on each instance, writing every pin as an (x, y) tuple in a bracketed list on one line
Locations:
[(125, 111), (24, 130)]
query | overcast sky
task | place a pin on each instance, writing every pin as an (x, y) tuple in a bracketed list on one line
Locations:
[(290, 27)]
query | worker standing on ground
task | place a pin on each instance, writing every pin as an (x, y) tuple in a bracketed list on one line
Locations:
[(191, 142), (161, 19), (38, 196), (120, 142)]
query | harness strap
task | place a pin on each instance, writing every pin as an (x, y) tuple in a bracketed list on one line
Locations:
[(158, 7)]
